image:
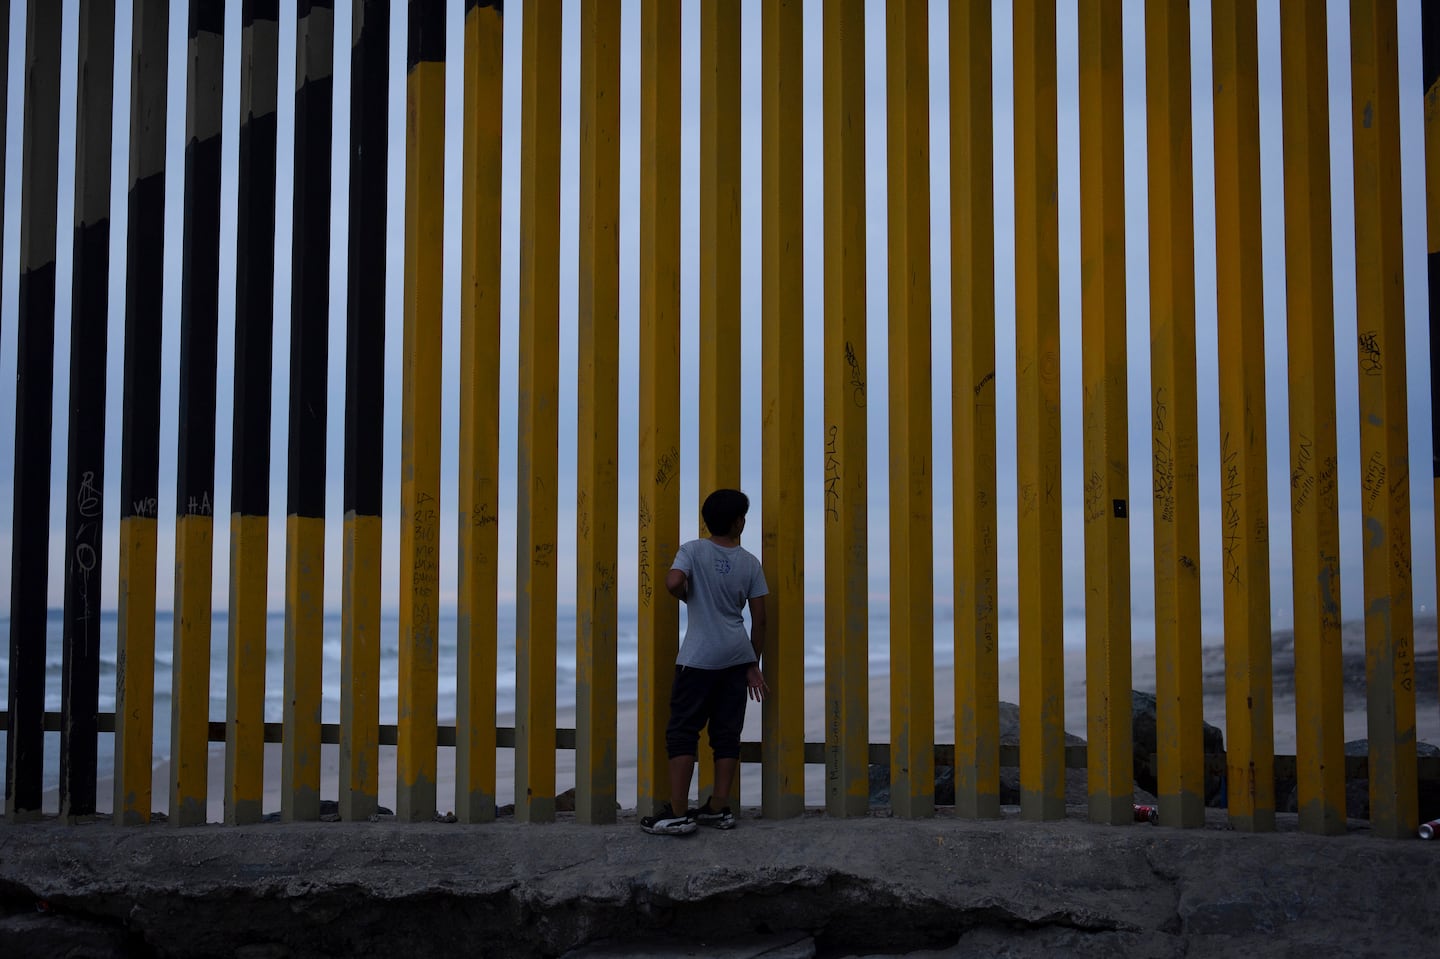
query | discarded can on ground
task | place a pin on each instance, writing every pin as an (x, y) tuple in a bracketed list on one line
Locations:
[(1430, 830), (1150, 814)]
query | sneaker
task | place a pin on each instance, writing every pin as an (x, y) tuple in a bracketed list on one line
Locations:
[(666, 823), (707, 815)]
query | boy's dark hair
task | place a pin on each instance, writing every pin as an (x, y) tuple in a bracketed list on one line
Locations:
[(722, 508)]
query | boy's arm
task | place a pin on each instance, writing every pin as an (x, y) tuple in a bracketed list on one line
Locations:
[(678, 584), (753, 677), (757, 626)]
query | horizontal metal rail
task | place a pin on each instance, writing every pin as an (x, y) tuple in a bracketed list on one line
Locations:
[(1356, 767)]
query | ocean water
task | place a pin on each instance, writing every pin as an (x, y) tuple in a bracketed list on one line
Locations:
[(627, 665)]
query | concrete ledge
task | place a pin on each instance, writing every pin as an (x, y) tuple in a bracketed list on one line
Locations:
[(812, 885)]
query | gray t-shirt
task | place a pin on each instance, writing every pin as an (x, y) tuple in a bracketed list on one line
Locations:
[(722, 579)]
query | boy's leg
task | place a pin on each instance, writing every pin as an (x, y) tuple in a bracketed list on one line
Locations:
[(681, 738), (727, 720), (682, 768), (724, 776), (688, 697), (667, 820)]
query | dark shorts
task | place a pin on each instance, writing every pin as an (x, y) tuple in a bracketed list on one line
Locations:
[(698, 696)]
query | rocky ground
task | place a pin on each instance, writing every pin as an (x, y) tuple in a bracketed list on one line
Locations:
[(803, 887)]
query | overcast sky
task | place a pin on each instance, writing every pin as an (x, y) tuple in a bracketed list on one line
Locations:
[(1137, 283)]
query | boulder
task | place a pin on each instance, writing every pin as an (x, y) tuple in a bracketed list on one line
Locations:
[(1010, 727), (1361, 747), (1076, 788), (880, 785), (1357, 791), (1144, 739), (1144, 736)]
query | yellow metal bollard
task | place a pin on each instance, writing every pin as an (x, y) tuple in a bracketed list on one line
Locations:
[(1314, 508), (972, 253), (195, 522), (304, 658), (535, 563), (139, 468), (364, 410), (479, 562), (782, 743), (1245, 538), (912, 614), (1174, 438), (309, 360), (1110, 758), (1037, 359), (245, 695), (596, 736), (847, 693), (135, 671), (1384, 427), (250, 488), (659, 472), (420, 412), (360, 663), (189, 714), (720, 352)]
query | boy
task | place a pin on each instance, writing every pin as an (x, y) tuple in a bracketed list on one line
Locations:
[(717, 663)]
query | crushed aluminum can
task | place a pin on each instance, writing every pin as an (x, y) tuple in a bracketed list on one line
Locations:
[(1430, 830), (1150, 814)]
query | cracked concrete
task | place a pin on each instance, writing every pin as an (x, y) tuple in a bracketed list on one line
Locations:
[(803, 887)]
